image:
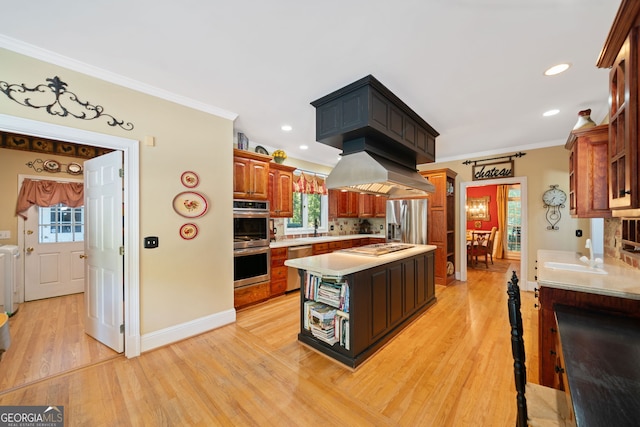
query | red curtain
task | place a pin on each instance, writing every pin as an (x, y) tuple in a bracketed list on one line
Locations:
[(49, 193), (309, 184)]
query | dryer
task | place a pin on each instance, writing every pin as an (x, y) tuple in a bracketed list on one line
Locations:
[(12, 277)]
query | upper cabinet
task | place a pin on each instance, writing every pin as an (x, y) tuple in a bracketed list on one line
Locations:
[(620, 55), (250, 175), (588, 165), (280, 190)]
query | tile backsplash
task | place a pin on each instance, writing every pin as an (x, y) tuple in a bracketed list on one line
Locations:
[(341, 227)]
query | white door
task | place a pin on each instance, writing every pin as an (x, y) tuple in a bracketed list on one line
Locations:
[(104, 285), (54, 252)]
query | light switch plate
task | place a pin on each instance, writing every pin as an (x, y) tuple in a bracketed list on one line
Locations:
[(5, 234)]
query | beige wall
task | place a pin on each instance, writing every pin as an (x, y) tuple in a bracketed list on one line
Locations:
[(181, 280), (542, 167)]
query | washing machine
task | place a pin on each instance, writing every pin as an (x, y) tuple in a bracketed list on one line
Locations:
[(12, 277)]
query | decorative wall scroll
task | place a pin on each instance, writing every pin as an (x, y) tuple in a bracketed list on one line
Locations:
[(36, 144), (493, 170), (58, 101)]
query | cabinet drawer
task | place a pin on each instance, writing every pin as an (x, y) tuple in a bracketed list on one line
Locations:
[(278, 262), (251, 294), (333, 246), (320, 248), (278, 287), (278, 253), (279, 273)]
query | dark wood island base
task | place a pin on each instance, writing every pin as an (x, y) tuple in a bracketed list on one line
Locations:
[(374, 306)]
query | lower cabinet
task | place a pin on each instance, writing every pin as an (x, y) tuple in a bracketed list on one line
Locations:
[(381, 302), (248, 295), (279, 271), (549, 351)]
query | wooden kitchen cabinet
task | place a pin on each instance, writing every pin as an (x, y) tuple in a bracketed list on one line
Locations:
[(441, 229), (279, 271), (280, 190), (620, 55), (366, 205), (380, 207), (347, 204), (588, 171), (548, 346), (250, 175)]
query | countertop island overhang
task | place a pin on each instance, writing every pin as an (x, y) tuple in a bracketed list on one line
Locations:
[(351, 305)]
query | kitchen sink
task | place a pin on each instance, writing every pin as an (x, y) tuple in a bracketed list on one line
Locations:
[(580, 268)]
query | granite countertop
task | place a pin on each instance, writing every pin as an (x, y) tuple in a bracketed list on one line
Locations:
[(620, 281), (341, 263), (321, 239)]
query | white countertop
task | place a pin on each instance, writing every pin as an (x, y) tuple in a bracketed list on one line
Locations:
[(341, 263), (621, 280), (321, 239)]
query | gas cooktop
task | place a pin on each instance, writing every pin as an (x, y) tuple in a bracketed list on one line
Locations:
[(377, 249)]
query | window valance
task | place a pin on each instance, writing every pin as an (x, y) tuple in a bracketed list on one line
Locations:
[(49, 193), (309, 184)]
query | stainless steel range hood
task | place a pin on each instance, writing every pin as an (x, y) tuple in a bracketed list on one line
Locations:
[(370, 173)]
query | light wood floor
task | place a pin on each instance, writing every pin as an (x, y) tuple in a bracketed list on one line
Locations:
[(450, 367)]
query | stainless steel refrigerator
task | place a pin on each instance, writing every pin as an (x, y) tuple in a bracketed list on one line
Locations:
[(407, 221)]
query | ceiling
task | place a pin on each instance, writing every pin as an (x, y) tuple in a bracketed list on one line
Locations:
[(473, 69)]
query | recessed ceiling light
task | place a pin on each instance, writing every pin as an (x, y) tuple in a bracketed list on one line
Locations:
[(550, 113), (304, 147), (557, 69), (286, 128)]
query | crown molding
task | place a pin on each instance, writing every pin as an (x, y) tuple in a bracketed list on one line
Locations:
[(32, 51)]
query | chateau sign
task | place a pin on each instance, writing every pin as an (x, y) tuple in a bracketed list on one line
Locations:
[(493, 170)]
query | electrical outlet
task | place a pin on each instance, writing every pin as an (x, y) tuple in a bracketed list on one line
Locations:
[(151, 242), (5, 234), (578, 233)]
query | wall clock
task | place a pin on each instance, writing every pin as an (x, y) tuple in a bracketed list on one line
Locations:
[(553, 199)]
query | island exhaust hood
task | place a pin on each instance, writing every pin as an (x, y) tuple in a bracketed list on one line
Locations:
[(381, 138)]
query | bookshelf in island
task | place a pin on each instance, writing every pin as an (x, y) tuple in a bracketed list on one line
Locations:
[(351, 305)]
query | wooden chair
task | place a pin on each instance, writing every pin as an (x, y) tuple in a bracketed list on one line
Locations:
[(542, 406), (483, 246)]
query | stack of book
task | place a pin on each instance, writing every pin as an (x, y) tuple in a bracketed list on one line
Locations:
[(322, 323)]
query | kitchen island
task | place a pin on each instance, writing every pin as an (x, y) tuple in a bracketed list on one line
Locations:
[(351, 304)]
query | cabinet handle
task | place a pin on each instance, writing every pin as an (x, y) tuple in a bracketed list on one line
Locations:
[(623, 192), (553, 330), (535, 306), (552, 352), (559, 370)]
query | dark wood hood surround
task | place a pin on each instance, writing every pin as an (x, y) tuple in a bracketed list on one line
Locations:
[(366, 116)]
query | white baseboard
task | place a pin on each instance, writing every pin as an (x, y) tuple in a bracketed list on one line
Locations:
[(176, 333)]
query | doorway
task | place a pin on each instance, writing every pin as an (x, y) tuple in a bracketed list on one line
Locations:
[(462, 254), (130, 150), (54, 248)]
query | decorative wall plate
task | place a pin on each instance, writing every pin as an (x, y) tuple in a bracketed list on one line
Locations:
[(74, 169), (190, 179), (51, 166), (190, 204), (188, 231)]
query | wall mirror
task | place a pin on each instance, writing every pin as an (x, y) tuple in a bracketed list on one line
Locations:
[(478, 209)]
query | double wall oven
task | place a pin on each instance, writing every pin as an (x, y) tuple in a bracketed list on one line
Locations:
[(251, 253)]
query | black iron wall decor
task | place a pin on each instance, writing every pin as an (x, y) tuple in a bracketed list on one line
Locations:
[(493, 170), (63, 104)]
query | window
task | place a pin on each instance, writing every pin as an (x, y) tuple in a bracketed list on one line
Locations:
[(514, 216), (307, 209), (60, 223)]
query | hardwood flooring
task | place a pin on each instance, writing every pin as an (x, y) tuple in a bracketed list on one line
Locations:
[(450, 367)]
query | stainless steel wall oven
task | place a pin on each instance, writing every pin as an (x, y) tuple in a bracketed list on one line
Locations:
[(251, 253)]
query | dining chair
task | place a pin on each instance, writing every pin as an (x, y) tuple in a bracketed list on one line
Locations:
[(537, 405), (482, 245)]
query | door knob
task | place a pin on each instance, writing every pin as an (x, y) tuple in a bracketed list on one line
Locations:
[(29, 250), (83, 256), (29, 232)]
